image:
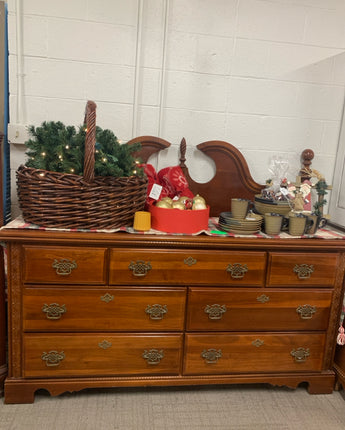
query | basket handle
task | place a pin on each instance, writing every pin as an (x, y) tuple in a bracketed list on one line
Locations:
[(90, 140)]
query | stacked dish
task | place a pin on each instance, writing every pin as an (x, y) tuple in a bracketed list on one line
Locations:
[(265, 205), (249, 225)]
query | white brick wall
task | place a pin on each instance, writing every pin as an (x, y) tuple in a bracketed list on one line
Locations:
[(267, 76)]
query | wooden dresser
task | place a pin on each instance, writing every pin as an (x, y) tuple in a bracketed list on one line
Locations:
[(91, 309), (108, 310)]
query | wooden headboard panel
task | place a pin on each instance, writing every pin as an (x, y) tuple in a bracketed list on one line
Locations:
[(232, 178)]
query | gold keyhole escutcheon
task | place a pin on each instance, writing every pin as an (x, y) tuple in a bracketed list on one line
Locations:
[(107, 298), (190, 261)]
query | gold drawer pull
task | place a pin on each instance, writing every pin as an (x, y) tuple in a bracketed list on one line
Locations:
[(107, 298), (306, 311), (215, 312), (153, 356), (303, 270), (237, 270), (105, 344), (156, 311), (211, 355), (300, 354), (53, 358), (140, 268), (54, 311), (263, 298), (190, 261), (64, 266), (257, 342)]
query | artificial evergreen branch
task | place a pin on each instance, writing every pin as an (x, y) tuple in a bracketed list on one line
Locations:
[(59, 148)]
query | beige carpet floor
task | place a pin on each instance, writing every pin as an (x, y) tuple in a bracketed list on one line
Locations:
[(257, 407)]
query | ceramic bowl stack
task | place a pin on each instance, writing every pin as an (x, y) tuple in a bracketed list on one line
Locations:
[(249, 225), (265, 205)]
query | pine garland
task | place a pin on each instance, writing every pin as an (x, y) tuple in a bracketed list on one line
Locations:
[(321, 189), (59, 148)]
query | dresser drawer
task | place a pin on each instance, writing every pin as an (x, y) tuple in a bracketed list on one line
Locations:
[(255, 352), (116, 309), (103, 354), (302, 269), (220, 309), (184, 267), (60, 265)]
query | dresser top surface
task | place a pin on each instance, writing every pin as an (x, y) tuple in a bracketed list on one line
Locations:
[(201, 241)]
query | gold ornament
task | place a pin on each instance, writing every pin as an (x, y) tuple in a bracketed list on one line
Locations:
[(199, 205), (198, 198), (178, 205), (163, 204), (167, 199)]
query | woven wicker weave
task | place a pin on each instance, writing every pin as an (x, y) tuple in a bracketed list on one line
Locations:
[(62, 200)]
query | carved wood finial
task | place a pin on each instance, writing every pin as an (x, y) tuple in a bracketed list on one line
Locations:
[(183, 147), (306, 159)]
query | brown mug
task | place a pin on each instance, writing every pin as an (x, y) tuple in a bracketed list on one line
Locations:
[(240, 208), (273, 223), (299, 224), (318, 222)]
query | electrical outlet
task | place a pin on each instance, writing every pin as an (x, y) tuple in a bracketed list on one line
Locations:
[(17, 133)]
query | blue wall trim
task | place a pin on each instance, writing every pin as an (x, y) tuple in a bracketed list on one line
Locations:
[(7, 172)]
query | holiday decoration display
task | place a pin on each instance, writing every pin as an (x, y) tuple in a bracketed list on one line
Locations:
[(80, 179), (171, 181), (174, 209), (182, 203), (175, 220), (282, 196)]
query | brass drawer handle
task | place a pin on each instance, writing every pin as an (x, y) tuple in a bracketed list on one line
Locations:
[(153, 356), (257, 342), (237, 270), (54, 311), (215, 312), (53, 358), (107, 298), (300, 354), (64, 266), (306, 311), (156, 311), (263, 298), (303, 270), (190, 261), (140, 268), (105, 344), (211, 355)]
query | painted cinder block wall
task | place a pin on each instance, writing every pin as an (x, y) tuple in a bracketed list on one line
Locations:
[(267, 76)]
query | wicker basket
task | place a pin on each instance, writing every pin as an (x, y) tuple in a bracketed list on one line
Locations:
[(62, 200)]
